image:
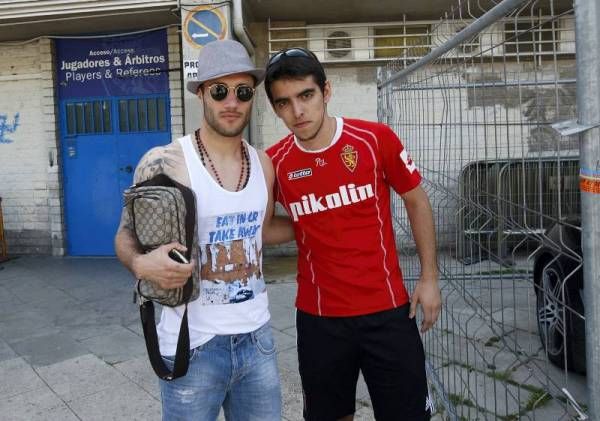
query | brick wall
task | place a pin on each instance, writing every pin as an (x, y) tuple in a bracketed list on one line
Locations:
[(28, 167), (175, 84), (30, 161)]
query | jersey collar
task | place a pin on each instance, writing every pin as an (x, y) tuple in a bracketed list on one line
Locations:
[(339, 126)]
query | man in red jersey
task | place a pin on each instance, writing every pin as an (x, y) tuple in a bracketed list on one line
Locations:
[(354, 313)]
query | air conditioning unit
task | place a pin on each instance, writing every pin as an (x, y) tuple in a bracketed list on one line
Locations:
[(339, 44)]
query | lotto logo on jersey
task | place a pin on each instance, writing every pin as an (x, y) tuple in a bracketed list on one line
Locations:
[(346, 195), (294, 175)]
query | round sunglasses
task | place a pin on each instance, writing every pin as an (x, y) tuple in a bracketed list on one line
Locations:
[(219, 92)]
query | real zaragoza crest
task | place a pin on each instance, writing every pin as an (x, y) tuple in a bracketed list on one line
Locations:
[(349, 157)]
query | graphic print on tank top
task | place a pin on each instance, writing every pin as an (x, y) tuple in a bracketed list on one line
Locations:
[(231, 258)]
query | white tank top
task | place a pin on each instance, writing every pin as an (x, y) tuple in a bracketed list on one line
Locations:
[(233, 296)]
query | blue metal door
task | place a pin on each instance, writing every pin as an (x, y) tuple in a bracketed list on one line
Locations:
[(102, 141)]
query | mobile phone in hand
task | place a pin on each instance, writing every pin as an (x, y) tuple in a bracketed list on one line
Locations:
[(178, 256)]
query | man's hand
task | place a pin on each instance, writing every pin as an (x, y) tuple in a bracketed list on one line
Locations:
[(159, 268), (426, 293)]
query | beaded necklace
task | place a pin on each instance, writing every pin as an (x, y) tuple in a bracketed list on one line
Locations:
[(245, 163)]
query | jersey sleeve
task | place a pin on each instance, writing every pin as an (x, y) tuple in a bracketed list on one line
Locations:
[(399, 168)]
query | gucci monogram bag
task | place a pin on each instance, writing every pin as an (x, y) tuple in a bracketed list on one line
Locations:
[(163, 211), (159, 209)]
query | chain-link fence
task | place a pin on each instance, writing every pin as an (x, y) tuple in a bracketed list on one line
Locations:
[(504, 185)]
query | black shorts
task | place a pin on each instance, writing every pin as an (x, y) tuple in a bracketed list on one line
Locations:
[(385, 346)]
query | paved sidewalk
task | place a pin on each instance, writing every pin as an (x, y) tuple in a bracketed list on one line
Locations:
[(71, 345)]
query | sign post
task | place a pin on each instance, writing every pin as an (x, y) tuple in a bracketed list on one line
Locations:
[(200, 25)]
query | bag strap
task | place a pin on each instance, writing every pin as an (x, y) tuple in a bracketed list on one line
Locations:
[(182, 355), (190, 228)]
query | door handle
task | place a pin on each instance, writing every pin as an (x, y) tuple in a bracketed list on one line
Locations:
[(128, 169)]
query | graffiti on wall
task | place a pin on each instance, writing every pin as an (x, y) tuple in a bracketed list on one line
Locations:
[(7, 128)]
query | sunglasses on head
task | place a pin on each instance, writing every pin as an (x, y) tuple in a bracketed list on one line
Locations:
[(219, 91), (292, 52)]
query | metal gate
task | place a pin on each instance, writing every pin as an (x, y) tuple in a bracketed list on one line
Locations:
[(478, 114)]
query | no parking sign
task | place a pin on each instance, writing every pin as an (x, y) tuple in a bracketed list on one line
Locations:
[(204, 24)]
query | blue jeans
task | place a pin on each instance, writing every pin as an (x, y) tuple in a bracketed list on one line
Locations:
[(237, 372)]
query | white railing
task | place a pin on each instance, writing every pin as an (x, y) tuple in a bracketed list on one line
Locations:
[(537, 37)]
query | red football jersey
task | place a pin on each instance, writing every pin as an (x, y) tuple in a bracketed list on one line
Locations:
[(339, 201)]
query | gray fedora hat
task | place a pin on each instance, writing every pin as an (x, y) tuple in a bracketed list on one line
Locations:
[(222, 58)]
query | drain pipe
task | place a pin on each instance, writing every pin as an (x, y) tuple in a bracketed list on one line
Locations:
[(238, 27), (240, 32)]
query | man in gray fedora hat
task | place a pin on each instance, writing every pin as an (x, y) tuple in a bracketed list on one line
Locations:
[(232, 352)]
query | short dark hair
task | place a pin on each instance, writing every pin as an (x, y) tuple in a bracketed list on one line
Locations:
[(294, 67)]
